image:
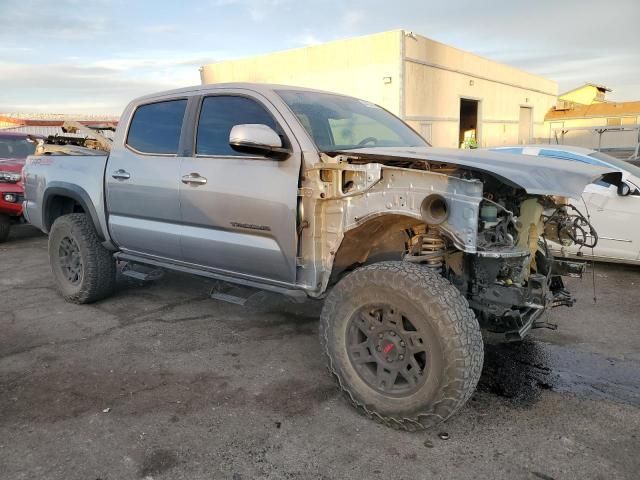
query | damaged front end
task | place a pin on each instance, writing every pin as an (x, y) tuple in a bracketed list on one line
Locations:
[(512, 278), (482, 222)]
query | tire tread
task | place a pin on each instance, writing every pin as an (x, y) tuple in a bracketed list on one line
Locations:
[(100, 270), (461, 337)]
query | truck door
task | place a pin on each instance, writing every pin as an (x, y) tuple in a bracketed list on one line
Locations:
[(142, 181), (239, 211)]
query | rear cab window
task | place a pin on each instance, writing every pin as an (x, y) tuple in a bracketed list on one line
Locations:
[(219, 114), (155, 127)]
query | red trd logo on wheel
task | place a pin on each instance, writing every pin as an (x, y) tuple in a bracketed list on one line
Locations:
[(388, 348)]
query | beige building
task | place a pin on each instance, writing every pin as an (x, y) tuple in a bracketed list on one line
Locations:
[(587, 94), (584, 117), (445, 93)]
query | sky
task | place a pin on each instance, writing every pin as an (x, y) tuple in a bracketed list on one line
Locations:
[(94, 56)]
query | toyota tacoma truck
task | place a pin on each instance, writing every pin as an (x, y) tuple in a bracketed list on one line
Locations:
[(316, 195)]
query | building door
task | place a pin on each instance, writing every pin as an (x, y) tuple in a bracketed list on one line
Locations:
[(468, 133), (526, 124)]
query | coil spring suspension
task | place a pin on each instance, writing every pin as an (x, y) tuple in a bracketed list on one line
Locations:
[(427, 248)]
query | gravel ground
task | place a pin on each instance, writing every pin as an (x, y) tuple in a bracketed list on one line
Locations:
[(162, 382)]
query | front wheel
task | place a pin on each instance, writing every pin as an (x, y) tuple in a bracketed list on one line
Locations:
[(402, 343), (84, 270)]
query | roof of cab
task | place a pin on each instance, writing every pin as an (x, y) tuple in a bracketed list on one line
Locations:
[(256, 87)]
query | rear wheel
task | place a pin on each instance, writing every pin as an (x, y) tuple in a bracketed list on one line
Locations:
[(84, 270), (402, 343), (5, 227)]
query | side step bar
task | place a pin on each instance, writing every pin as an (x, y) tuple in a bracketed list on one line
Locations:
[(295, 294), (230, 293), (142, 273)]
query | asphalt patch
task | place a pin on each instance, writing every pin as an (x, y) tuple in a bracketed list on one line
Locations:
[(519, 372)]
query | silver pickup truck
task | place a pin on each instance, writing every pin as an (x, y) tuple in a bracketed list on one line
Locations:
[(413, 249)]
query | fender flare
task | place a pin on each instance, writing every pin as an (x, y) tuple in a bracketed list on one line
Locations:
[(77, 194)]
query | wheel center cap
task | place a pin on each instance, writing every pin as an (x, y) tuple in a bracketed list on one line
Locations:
[(390, 347)]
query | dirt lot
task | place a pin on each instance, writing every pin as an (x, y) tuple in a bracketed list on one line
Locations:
[(162, 382)]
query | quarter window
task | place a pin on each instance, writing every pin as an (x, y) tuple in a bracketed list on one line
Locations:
[(219, 114), (155, 128)]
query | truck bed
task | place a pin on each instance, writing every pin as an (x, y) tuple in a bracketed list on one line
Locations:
[(82, 174)]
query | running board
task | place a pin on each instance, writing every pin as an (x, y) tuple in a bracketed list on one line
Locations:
[(230, 293), (142, 273), (295, 294)]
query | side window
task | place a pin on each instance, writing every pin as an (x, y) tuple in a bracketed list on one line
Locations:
[(155, 128), (219, 114)]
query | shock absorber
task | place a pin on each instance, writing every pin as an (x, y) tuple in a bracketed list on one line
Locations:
[(427, 248)]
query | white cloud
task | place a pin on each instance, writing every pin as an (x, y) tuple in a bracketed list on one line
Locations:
[(258, 10), (160, 29), (81, 86), (105, 52), (353, 19), (306, 40)]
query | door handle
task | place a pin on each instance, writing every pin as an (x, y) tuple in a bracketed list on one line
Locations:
[(194, 179), (121, 175)]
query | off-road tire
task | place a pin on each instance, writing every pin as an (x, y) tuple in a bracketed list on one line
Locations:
[(98, 268), (456, 343), (5, 227)]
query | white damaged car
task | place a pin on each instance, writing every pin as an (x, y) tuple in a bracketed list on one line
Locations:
[(614, 210)]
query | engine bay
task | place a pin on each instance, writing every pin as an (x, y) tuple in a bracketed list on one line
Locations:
[(512, 278)]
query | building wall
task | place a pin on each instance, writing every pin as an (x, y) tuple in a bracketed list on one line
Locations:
[(585, 95), (414, 77), (437, 76), (577, 124), (356, 67)]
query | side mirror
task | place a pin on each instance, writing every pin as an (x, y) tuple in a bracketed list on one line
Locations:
[(257, 139), (624, 189)]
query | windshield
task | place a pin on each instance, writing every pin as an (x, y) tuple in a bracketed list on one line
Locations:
[(16, 147), (344, 123), (616, 162)]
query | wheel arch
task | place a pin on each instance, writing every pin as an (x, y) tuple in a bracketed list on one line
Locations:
[(61, 198), (379, 238)]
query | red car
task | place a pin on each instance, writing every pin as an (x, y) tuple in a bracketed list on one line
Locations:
[(14, 149)]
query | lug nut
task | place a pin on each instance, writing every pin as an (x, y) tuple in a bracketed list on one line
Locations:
[(393, 334), (379, 348), (402, 344), (380, 335), (401, 357)]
